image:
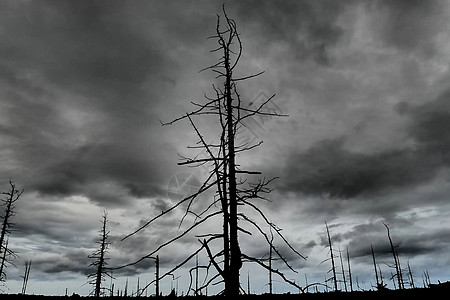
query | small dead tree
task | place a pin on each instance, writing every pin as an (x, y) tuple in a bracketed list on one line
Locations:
[(426, 279), (233, 187), (156, 276), (332, 257), (411, 277), (270, 263), (378, 275), (26, 276), (248, 283), (375, 266), (342, 270), (100, 261), (349, 271), (398, 270), (8, 202)]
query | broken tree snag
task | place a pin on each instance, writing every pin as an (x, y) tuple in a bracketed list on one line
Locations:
[(398, 269), (333, 267)]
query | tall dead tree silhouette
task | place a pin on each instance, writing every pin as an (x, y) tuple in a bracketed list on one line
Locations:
[(378, 275), (398, 270), (8, 202), (411, 277), (342, 270), (232, 186), (99, 259), (349, 271), (26, 276), (332, 257)]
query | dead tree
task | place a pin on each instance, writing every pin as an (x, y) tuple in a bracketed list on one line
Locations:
[(271, 250), (375, 267), (398, 270), (426, 279), (233, 187), (248, 283), (270, 272), (379, 280), (349, 271), (197, 291), (157, 276), (9, 200), (342, 269), (411, 277), (26, 276), (100, 261), (333, 267)]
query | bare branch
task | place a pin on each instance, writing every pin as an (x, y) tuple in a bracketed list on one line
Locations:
[(168, 273), (196, 224), (274, 271), (163, 213)]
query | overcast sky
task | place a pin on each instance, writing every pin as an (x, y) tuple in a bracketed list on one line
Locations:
[(366, 85)]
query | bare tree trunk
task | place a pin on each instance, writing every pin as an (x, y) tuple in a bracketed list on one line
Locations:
[(196, 276), (235, 251), (398, 269), (270, 271), (11, 197), (3, 262), (306, 283), (411, 278), (349, 271), (26, 276), (375, 268), (99, 258), (248, 282), (342, 269), (101, 263), (157, 276), (332, 259)]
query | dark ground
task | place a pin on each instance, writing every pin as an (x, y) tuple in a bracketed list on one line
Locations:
[(431, 293)]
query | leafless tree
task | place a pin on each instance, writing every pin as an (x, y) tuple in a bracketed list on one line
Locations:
[(349, 271), (100, 260), (8, 201), (270, 263), (426, 279), (233, 187), (398, 270), (248, 283), (26, 276), (378, 275), (332, 257), (342, 270), (411, 277), (157, 276)]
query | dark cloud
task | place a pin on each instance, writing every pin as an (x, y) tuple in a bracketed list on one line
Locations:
[(93, 41), (79, 108), (328, 168), (75, 261), (308, 28), (429, 123), (408, 247), (87, 169), (410, 25)]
